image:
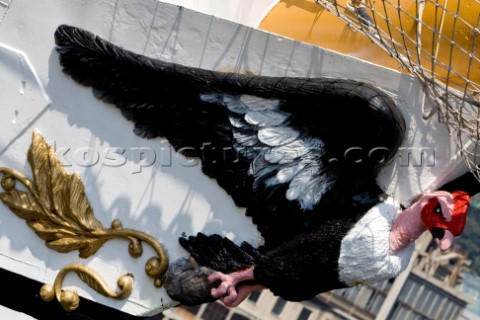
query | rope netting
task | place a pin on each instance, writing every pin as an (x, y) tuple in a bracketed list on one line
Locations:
[(438, 41)]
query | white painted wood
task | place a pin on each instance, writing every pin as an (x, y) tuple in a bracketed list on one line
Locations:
[(246, 12)]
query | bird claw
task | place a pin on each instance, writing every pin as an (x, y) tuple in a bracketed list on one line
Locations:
[(225, 286), (226, 291)]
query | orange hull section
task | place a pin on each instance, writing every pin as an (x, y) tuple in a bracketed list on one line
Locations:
[(306, 21)]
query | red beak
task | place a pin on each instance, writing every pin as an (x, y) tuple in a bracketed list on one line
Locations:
[(459, 215), (443, 226)]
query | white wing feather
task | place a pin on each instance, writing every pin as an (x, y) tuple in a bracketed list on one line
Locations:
[(280, 154)]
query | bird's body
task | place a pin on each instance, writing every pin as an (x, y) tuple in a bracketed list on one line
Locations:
[(301, 155)]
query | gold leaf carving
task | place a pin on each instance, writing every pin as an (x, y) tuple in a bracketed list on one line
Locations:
[(22, 203), (94, 281), (69, 299), (56, 207), (61, 195), (86, 246), (91, 282)]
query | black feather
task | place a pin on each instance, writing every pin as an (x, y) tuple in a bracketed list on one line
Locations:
[(216, 252)]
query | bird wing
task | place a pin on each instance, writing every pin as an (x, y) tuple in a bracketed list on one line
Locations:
[(260, 137)]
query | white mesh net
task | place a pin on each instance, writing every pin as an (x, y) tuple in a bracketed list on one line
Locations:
[(438, 41)]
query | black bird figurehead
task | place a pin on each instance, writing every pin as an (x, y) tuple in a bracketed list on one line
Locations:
[(318, 212)]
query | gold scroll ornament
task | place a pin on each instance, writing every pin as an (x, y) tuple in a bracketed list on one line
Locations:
[(56, 207)]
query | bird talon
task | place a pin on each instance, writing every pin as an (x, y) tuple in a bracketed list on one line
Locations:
[(224, 288), (217, 276), (219, 291), (230, 296)]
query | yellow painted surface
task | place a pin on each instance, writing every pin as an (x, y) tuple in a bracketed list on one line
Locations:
[(306, 21)]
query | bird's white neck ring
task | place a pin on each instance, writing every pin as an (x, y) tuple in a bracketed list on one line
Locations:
[(365, 254)]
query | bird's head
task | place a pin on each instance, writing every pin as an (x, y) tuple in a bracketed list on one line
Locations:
[(444, 215)]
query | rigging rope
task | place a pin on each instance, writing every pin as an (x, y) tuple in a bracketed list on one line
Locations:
[(436, 41)]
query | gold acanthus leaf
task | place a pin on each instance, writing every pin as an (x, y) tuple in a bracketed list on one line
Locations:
[(92, 282), (23, 204), (55, 205)]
